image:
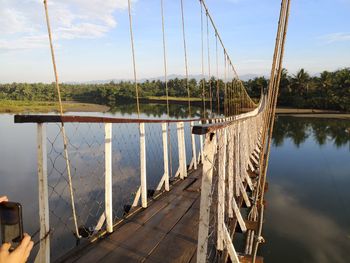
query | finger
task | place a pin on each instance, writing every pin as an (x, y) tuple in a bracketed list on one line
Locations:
[(28, 249), (24, 243), (5, 247), (3, 199)]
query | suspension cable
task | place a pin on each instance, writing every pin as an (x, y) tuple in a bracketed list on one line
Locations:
[(209, 73), (165, 58), (185, 52), (203, 78), (133, 59), (225, 92), (65, 142), (166, 83), (217, 75)]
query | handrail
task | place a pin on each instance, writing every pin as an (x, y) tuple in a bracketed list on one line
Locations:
[(95, 119), (212, 127), (91, 119)]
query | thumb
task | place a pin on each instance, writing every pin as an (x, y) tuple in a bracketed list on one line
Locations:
[(5, 247)]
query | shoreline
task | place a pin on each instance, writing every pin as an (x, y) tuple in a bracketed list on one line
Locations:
[(8, 106), (312, 113)]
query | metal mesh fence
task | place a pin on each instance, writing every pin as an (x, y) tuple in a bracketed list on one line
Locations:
[(86, 142)]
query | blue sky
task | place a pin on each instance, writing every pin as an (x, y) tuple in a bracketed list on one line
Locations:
[(91, 37)]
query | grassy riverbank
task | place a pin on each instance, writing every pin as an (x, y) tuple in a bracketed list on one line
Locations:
[(15, 106)]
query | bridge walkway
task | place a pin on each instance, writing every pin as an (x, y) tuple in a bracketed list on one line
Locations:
[(166, 231)]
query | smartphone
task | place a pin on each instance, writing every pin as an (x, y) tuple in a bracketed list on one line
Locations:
[(11, 223)]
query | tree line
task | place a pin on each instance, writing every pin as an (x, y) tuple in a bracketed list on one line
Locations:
[(329, 90)]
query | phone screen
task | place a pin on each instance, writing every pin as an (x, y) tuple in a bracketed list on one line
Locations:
[(11, 223)]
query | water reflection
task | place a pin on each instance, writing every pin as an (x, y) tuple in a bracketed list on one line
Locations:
[(320, 129), (307, 216), (177, 111)]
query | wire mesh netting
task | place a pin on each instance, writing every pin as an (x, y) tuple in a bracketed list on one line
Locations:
[(86, 148)]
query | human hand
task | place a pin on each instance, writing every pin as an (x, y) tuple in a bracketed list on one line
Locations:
[(20, 254), (3, 199)]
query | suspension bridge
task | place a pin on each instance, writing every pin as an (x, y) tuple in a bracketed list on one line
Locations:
[(160, 190)]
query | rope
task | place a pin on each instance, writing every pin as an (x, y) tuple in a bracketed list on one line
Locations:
[(273, 93), (185, 52), (65, 143), (203, 79), (133, 58), (217, 74), (225, 96), (165, 58), (166, 84), (209, 74)]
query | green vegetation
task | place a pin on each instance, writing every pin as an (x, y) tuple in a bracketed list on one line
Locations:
[(329, 91)]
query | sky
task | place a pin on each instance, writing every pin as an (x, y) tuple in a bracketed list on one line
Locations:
[(92, 39)]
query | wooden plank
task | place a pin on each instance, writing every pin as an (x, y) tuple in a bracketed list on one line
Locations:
[(120, 254), (195, 186), (252, 225), (249, 259), (124, 232), (173, 249), (142, 242), (97, 252), (167, 218), (146, 214), (187, 227)]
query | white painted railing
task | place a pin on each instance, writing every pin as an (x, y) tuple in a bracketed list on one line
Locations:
[(106, 217), (230, 150)]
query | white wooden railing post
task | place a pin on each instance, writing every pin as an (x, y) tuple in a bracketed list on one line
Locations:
[(221, 188), (165, 154), (184, 164), (44, 214), (206, 196), (182, 171), (194, 152), (230, 171), (108, 177), (143, 166), (200, 156)]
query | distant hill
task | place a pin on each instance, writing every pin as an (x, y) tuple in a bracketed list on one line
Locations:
[(244, 77)]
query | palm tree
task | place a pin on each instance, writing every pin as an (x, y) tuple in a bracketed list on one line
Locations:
[(300, 82)]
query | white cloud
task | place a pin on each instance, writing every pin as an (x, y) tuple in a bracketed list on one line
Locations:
[(25, 42), (22, 23), (336, 37), (319, 235)]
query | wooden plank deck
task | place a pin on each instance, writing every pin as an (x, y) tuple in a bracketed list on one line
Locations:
[(166, 231)]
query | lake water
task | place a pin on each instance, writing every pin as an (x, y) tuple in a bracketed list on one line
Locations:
[(307, 216)]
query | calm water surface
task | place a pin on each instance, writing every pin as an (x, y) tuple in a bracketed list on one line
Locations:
[(307, 217), (308, 213)]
